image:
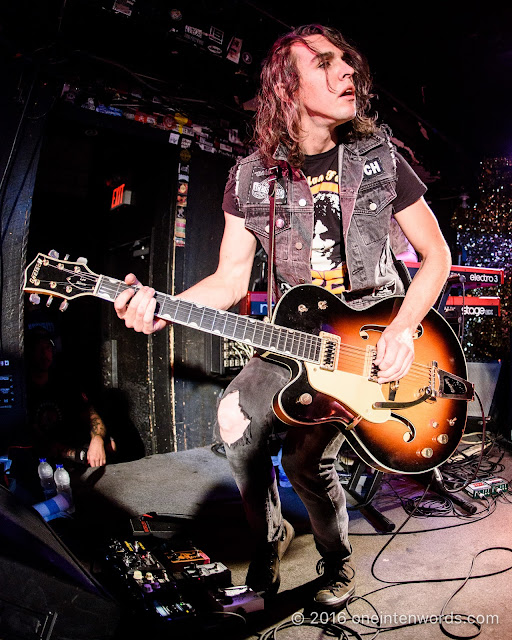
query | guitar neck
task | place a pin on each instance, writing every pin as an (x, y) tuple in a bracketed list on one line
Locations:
[(256, 333)]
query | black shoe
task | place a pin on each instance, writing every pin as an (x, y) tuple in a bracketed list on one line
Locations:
[(338, 582), (263, 574)]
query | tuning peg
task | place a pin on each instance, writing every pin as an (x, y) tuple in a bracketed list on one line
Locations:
[(66, 257), (63, 305), (49, 301), (54, 254), (81, 260), (34, 298)]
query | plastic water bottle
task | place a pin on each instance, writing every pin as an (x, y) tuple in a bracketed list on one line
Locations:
[(56, 507), (63, 485), (45, 473)]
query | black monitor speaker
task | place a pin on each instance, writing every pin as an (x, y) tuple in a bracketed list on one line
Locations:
[(45, 592)]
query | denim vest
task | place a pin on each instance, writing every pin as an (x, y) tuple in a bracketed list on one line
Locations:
[(367, 188)]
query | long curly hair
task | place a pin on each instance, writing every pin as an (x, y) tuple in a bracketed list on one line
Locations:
[(278, 121)]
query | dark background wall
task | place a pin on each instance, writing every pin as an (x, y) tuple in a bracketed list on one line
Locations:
[(160, 385), (60, 162)]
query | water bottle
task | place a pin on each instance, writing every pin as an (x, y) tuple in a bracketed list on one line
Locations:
[(45, 473), (56, 507), (63, 485)]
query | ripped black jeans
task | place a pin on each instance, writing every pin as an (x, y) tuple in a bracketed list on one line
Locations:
[(308, 458)]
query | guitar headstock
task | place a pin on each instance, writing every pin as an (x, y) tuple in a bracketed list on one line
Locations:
[(47, 274)]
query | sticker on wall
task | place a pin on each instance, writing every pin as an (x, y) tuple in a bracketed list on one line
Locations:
[(234, 49), (207, 146), (179, 232), (185, 155)]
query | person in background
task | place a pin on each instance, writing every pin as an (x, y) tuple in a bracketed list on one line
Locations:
[(62, 422)]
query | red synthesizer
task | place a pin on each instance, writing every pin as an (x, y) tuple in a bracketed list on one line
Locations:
[(472, 306), (475, 277)]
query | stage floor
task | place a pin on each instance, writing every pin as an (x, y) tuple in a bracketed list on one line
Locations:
[(406, 576)]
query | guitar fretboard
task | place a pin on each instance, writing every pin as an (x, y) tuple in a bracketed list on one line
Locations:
[(259, 334)]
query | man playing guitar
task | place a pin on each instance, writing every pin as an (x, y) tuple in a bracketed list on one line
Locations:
[(341, 192)]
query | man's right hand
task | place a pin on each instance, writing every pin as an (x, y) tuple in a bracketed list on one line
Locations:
[(137, 309)]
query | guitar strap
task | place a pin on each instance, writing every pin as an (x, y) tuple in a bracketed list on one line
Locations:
[(271, 239)]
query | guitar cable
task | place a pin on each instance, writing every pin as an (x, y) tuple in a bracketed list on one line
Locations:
[(441, 618), (438, 476)]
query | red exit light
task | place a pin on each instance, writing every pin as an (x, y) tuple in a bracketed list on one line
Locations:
[(117, 197)]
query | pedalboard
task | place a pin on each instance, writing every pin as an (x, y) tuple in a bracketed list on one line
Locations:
[(145, 581), (166, 581)]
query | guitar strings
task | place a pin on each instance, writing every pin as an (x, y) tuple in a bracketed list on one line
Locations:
[(357, 355)]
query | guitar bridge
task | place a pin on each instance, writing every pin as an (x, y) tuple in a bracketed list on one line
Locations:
[(329, 351)]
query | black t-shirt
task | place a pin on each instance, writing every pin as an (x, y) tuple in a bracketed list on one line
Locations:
[(321, 171)]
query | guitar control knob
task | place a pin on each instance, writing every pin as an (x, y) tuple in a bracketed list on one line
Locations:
[(442, 438), (63, 305), (427, 452), (34, 298), (305, 398)]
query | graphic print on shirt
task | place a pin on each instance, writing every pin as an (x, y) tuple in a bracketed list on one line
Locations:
[(328, 255), (326, 236)]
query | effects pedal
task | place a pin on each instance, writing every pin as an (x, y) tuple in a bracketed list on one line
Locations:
[(153, 524), (498, 485), (176, 560), (214, 574), (478, 489), (485, 488), (240, 600)]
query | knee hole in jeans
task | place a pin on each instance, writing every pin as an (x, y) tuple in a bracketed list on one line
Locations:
[(232, 420)]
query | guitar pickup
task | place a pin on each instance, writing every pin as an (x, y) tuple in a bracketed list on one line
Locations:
[(371, 370), (329, 351)]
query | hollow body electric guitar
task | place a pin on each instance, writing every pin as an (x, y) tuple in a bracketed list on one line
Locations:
[(409, 426)]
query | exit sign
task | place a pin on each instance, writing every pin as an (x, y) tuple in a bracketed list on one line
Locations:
[(120, 196)]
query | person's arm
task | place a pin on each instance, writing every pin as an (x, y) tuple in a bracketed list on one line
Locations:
[(221, 290), (395, 349), (96, 456)]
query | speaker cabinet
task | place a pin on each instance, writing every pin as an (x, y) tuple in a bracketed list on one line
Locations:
[(484, 375), (45, 593)]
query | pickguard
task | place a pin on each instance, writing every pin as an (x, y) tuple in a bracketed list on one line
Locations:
[(355, 392)]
